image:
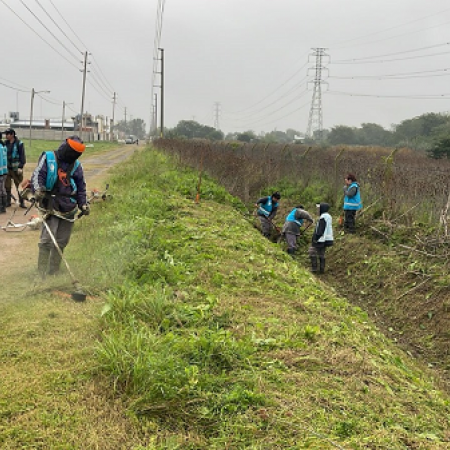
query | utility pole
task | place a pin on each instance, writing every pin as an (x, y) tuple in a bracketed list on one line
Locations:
[(155, 115), (111, 135), (216, 115), (162, 92), (84, 70), (33, 93), (315, 121), (63, 118), (125, 114)]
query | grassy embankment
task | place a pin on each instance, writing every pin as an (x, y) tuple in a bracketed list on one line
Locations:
[(218, 339), (211, 337)]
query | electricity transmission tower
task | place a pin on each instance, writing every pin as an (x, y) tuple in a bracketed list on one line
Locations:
[(315, 121), (216, 115)]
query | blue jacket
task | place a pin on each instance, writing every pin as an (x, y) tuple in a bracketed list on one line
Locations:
[(291, 218), (3, 160), (266, 207), (353, 203), (64, 194)]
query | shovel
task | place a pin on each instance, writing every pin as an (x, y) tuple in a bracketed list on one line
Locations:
[(78, 295)]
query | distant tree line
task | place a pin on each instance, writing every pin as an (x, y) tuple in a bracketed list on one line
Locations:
[(429, 133)]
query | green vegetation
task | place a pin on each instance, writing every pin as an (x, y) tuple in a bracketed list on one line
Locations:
[(217, 339)]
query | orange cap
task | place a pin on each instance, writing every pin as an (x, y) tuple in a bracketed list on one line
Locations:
[(76, 145)]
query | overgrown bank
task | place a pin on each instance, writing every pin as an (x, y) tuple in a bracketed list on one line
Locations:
[(217, 339)]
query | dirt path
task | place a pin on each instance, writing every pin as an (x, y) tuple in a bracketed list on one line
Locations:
[(49, 398), (18, 246)]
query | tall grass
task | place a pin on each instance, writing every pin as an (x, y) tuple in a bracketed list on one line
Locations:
[(216, 339)]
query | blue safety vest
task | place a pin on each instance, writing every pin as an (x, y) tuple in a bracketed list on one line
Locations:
[(266, 208), (353, 203), (52, 172), (291, 218)]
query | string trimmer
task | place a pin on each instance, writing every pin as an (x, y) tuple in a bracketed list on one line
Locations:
[(78, 294)]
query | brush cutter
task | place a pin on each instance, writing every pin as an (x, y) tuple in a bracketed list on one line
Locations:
[(33, 224), (78, 294), (100, 195)]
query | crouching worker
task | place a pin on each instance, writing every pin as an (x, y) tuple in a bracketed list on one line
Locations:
[(292, 225), (59, 189), (267, 210), (322, 238)]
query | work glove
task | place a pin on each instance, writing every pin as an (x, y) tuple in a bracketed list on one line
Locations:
[(86, 209), (19, 171), (39, 194)]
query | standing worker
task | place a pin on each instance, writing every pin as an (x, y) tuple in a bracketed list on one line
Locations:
[(352, 202), (16, 161), (59, 187), (3, 173), (267, 210), (292, 225), (322, 238)]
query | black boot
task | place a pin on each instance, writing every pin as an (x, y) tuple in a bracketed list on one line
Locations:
[(44, 255), (55, 262), (22, 202), (291, 251), (8, 198), (322, 265), (2, 204), (313, 263)]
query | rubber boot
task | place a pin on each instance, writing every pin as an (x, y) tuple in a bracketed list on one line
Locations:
[(22, 202), (44, 255), (291, 251), (322, 265), (8, 199), (2, 204), (55, 262), (313, 263)]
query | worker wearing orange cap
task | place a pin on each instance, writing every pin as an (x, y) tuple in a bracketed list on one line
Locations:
[(59, 189)]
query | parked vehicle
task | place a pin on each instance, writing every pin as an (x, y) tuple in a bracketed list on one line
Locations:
[(131, 140)]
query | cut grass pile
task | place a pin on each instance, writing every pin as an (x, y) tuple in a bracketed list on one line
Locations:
[(216, 339)]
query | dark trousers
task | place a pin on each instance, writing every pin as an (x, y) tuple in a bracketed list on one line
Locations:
[(349, 221)]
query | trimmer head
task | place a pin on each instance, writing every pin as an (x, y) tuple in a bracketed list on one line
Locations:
[(79, 296)]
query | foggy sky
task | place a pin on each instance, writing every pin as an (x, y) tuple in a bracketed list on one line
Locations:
[(250, 56)]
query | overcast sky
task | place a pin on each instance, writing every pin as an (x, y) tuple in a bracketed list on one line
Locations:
[(250, 57)]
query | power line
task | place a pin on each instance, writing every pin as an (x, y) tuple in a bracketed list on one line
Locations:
[(389, 29), (39, 36), (42, 23), (394, 59), (416, 97), (341, 61), (68, 24), (272, 92), (59, 28)]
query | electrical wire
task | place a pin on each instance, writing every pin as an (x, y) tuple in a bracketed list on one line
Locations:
[(272, 92), (68, 24), (51, 33), (389, 29), (340, 61), (416, 97), (59, 28), (394, 59), (39, 36), (401, 75)]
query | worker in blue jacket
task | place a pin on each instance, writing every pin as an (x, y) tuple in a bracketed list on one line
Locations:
[(267, 210), (291, 228), (352, 202), (59, 188)]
